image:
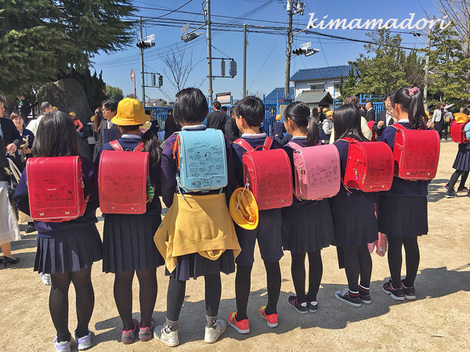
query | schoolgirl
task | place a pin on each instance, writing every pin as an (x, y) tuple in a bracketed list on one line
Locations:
[(66, 250), (128, 247), (307, 226), (353, 214), (462, 168), (197, 236), (406, 200)]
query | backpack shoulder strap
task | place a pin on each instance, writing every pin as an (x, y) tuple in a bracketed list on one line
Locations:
[(294, 145), (398, 126), (139, 147), (244, 144), (268, 142), (116, 145)]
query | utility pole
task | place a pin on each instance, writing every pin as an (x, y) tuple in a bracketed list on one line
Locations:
[(426, 71), (142, 64), (209, 47), (289, 48), (244, 59)]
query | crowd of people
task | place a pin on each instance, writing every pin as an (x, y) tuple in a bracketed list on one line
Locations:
[(198, 237)]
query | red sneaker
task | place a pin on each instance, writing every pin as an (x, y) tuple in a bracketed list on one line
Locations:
[(242, 326), (271, 319)]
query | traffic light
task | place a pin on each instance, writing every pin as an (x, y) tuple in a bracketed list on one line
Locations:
[(299, 51), (145, 44), (306, 52), (233, 68), (160, 80), (154, 80)]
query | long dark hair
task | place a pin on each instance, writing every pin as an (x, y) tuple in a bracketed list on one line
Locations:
[(98, 119), (411, 101), (347, 123), (300, 114), (56, 136), (152, 145)]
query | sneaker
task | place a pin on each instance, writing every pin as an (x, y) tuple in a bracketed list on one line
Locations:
[(446, 186), (312, 306), (345, 297), (396, 293), (450, 194), (62, 346), (410, 293), (271, 319), (83, 342), (46, 279), (213, 333), (146, 332), (30, 228), (299, 307), (364, 296), (462, 189), (242, 326), (166, 335), (128, 336)]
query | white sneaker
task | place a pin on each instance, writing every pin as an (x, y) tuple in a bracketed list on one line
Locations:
[(62, 346), (165, 335), (212, 334), (84, 342)]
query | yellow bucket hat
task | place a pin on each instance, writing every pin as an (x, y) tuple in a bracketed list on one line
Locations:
[(130, 112), (278, 117), (325, 110), (329, 113), (243, 209), (460, 117)]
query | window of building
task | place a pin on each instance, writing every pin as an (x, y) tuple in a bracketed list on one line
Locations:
[(317, 86)]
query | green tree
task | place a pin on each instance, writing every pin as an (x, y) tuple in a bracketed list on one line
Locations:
[(42, 40), (114, 93)]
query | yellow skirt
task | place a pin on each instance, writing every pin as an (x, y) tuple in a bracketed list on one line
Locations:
[(196, 224)]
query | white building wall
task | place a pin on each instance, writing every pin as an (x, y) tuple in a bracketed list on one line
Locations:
[(329, 85)]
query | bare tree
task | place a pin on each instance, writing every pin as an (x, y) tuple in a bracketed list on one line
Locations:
[(178, 67), (458, 12)]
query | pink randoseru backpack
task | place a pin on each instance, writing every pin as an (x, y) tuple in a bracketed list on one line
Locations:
[(317, 171)]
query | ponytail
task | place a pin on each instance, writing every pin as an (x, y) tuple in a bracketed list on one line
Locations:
[(313, 132), (411, 101), (152, 145)]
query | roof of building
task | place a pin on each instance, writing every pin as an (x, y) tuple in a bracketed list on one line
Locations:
[(276, 93), (311, 74), (315, 97)]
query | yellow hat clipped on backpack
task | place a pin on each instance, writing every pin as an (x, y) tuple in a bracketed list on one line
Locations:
[(460, 117), (130, 112), (243, 209)]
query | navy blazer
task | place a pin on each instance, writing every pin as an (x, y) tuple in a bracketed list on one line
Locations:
[(10, 133)]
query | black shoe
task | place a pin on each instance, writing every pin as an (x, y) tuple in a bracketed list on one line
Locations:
[(11, 261), (410, 292), (396, 293), (345, 297), (364, 296), (299, 307), (30, 228)]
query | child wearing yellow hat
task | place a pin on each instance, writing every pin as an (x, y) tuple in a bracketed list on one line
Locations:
[(128, 246), (278, 129)]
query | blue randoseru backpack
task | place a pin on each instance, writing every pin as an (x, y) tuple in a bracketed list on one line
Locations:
[(202, 160)]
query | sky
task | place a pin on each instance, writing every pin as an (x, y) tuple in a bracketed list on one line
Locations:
[(266, 53)]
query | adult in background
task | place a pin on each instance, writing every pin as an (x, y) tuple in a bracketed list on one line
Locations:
[(231, 130), (437, 120), (216, 119), (366, 132), (171, 126), (23, 107), (370, 112), (223, 110), (45, 108), (95, 127), (109, 110), (385, 117), (9, 230)]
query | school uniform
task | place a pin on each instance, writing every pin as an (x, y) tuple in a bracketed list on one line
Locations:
[(462, 160), (403, 210), (197, 225), (352, 210), (278, 131), (128, 238), (67, 246), (268, 232), (307, 225)]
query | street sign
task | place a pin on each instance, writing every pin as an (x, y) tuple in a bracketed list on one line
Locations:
[(150, 37), (132, 74), (306, 45)]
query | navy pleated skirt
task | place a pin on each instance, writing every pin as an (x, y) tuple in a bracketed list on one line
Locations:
[(194, 265), (403, 216), (307, 227), (462, 160), (128, 242), (68, 252)]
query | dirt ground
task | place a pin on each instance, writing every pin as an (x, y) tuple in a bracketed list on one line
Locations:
[(438, 320)]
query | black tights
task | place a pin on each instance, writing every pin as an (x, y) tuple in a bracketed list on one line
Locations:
[(243, 286), (147, 295), (455, 177), (357, 263), (395, 259), (176, 292), (59, 302), (315, 272)]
